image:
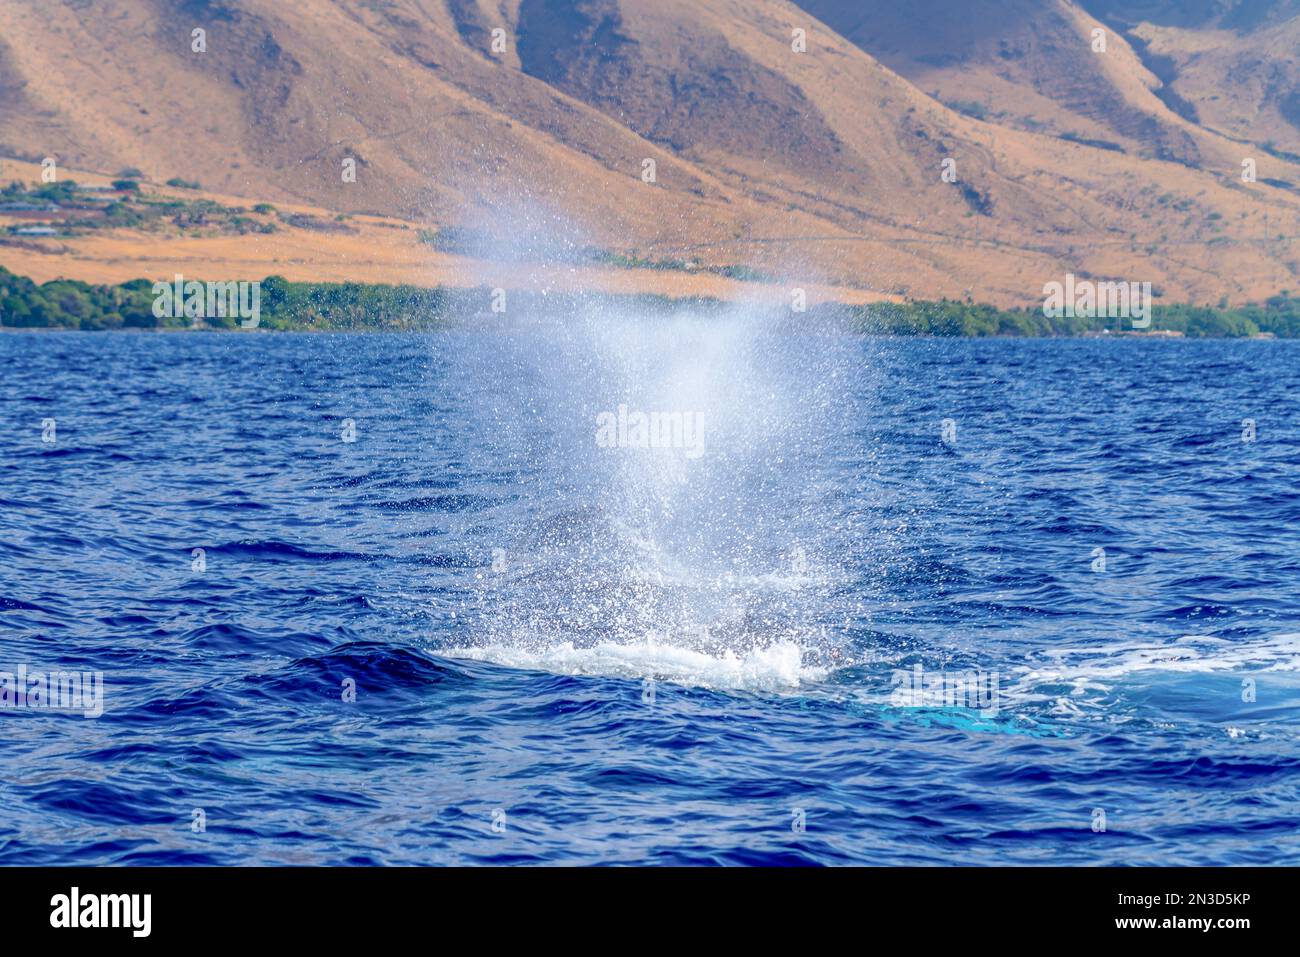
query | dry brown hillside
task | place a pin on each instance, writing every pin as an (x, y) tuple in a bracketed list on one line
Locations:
[(1244, 85), (820, 166), (1027, 63)]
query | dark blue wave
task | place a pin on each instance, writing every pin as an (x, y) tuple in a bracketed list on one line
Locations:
[(302, 688)]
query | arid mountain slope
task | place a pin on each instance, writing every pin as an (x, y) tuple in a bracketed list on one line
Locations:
[(1231, 63), (1245, 85), (1033, 64), (815, 165)]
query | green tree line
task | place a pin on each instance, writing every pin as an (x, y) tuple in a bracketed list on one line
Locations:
[(1279, 315), (71, 304)]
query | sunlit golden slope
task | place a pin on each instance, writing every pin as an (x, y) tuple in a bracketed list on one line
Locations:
[(817, 165), (1245, 85), (1038, 65)]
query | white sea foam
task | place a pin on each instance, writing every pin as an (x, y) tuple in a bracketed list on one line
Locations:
[(777, 667), (1072, 681), (1188, 654)]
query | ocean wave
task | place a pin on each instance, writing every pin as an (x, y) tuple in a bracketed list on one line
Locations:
[(779, 667)]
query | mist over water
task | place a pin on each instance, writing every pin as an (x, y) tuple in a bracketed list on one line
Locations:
[(712, 557)]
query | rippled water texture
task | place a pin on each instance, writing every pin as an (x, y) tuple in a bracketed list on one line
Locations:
[(570, 653)]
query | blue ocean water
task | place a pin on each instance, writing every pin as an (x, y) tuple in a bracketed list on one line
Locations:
[(436, 620)]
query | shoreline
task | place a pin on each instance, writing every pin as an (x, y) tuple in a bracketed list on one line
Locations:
[(284, 306), (431, 330)]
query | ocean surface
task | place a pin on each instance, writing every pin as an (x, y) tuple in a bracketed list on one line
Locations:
[(412, 599)]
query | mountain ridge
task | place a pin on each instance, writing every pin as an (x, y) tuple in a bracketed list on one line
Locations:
[(825, 165)]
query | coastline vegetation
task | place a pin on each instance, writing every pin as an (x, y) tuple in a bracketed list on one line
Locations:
[(285, 305), (1278, 317)]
